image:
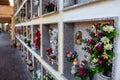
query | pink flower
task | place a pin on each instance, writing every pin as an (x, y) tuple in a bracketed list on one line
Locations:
[(69, 55), (102, 55), (93, 34), (90, 50), (100, 62), (84, 74), (91, 41), (97, 26), (52, 61), (100, 34), (52, 54), (29, 62), (99, 47)]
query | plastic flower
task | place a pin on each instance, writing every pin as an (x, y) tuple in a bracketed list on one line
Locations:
[(90, 50), (100, 34), (97, 26), (110, 60), (49, 50), (91, 41), (29, 62), (99, 46), (100, 62), (105, 40), (108, 46), (108, 29), (105, 55), (95, 60)]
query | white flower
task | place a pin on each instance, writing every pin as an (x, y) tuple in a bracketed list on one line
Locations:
[(93, 29), (95, 60), (108, 29), (105, 40), (108, 46)]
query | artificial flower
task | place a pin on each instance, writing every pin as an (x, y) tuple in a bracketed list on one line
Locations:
[(105, 55), (90, 50), (100, 34), (100, 62), (108, 29), (93, 29), (49, 50), (99, 46), (108, 46), (97, 26), (110, 60), (105, 40), (29, 62), (91, 41), (95, 60)]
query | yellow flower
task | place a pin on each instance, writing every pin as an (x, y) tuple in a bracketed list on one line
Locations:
[(110, 61), (95, 60), (105, 40), (105, 55)]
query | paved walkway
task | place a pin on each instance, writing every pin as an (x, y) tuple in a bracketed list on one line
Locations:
[(11, 65)]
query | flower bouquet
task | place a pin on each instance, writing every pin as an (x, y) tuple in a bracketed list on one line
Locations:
[(37, 75), (29, 62), (51, 56), (71, 56), (100, 47), (47, 76), (30, 68), (84, 71), (37, 39), (50, 6)]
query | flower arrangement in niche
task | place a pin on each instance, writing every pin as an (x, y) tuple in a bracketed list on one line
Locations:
[(30, 68), (47, 76), (37, 75), (53, 50), (83, 71), (71, 56), (37, 40), (51, 56), (25, 55), (50, 6), (29, 62), (100, 47)]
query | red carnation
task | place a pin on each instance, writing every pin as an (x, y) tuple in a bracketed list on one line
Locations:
[(49, 50)]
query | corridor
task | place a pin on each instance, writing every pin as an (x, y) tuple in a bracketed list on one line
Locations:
[(11, 64)]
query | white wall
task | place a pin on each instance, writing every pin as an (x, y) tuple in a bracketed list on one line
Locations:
[(99, 10), (105, 8)]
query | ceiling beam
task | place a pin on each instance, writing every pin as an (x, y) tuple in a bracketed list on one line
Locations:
[(6, 10)]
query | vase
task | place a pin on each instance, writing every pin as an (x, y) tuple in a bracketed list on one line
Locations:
[(102, 77)]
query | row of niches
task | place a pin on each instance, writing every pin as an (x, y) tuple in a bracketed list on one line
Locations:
[(68, 3), (32, 9), (80, 48), (36, 70)]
